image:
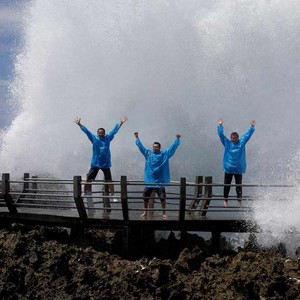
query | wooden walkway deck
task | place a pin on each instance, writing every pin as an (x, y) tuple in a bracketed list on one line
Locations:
[(190, 206)]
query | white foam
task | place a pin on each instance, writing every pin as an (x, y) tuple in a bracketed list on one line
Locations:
[(170, 66)]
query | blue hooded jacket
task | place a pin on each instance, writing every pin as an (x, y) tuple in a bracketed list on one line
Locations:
[(157, 168), (234, 159), (101, 147)]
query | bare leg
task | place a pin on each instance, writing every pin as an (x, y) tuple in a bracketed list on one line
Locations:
[(226, 203), (151, 201), (144, 214), (112, 189), (163, 206), (238, 180), (87, 187), (227, 181)]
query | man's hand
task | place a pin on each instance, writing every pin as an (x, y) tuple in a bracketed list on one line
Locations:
[(220, 122), (253, 123), (136, 134), (123, 120), (78, 121), (178, 135)]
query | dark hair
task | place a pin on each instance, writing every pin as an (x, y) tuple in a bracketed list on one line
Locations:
[(157, 143), (234, 133), (101, 129)]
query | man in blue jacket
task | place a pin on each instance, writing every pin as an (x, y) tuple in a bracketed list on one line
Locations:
[(101, 159), (234, 159), (157, 171)]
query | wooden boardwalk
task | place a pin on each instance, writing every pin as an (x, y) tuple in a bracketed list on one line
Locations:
[(191, 207)]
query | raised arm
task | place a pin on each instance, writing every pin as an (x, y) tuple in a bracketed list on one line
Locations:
[(141, 147), (246, 137), (172, 149), (84, 129), (78, 122), (116, 128), (221, 133), (123, 120)]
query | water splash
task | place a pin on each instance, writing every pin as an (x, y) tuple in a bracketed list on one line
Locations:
[(170, 66)]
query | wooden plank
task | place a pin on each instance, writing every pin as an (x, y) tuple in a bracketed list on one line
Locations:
[(5, 192), (77, 197), (124, 198), (198, 192), (182, 200)]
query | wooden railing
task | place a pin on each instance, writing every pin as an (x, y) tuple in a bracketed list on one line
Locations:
[(183, 198), (191, 206)]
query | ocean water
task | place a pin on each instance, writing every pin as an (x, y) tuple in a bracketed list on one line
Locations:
[(170, 67)]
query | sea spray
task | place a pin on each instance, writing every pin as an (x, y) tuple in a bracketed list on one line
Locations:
[(170, 66)]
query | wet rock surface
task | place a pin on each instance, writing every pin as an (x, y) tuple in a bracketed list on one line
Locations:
[(47, 263)]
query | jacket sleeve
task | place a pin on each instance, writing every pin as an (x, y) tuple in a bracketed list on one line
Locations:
[(222, 137), (246, 137), (113, 132), (172, 149), (88, 133), (143, 150)]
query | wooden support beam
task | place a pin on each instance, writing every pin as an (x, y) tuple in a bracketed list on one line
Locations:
[(77, 197), (182, 200), (26, 184), (6, 193), (216, 241), (207, 194), (34, 184), (124, 198), (198, 192)]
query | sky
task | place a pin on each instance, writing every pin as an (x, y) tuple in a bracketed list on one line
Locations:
[(10, 38)]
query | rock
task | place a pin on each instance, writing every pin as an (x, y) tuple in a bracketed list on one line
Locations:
[(48, 263)]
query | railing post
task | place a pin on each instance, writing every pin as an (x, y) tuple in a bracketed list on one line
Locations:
[(77, 197), (124, 198), (26, 184), (216, 241), (207, 195), (182, 200), (198, 192), (25, 187), (5, 191), (34, 184)]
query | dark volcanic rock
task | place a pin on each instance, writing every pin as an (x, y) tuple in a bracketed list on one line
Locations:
[(47, 263)]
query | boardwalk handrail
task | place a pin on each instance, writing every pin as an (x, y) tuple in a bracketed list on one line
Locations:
[(61, 203), (58, 194)]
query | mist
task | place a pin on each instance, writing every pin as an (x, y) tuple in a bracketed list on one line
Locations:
[(170, 67)]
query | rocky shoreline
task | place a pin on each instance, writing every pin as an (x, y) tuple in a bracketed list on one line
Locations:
[(47, 263)]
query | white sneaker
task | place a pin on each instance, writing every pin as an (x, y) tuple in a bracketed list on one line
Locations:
[(115, 199)]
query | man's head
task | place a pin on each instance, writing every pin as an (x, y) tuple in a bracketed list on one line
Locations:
[(234, 137), (101, 133), (156, 147)]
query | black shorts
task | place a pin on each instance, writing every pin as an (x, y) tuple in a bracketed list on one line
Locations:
[(91, 175), (161, 193)]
